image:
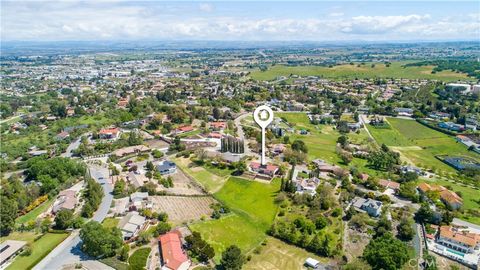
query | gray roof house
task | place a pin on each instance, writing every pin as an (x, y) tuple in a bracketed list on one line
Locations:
[(131, 224), (370, 206), (166, 167)]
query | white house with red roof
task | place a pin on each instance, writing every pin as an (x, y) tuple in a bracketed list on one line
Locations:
[(183, 129), (172, 255), (109, 133), (218, 125), (268, 169)]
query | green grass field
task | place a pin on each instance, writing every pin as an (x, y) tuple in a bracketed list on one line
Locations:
[(32, 215), (40, 249), (279, 255), (419, 144), (210, 181), (364, 71), (253, 210)]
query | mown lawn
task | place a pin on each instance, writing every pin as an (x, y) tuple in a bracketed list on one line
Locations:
[(32, 215), (138, 259), (276, 254), (110, 222), (364, 71), (252, 213), (40, 249), (419, 144)]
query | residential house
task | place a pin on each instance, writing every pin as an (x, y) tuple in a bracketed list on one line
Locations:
[(140, 200), (268, 169), (130, 150), (172, 255), (63, 135), (451, 126), (66, 199), (389, 184), (307, 186), (458, 240), (109, 133), (183, 129), (404, 111), (131, 224), (166, 167), (370, 206), (137, 179), (9, 250), (448, 197), (218, 125)]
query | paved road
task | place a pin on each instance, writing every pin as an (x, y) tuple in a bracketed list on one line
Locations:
[(68, 252), (241, 134), (74, 145)]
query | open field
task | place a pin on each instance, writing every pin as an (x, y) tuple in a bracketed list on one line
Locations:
[(419, 144), (279, 255), (182, 185), (183, 209), (40, 249), (353, 71), (32, 215), (211, 182), (321, 140), (253, 210), (471, 200)]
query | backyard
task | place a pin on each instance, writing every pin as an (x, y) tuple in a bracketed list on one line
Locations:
[(40, 247)]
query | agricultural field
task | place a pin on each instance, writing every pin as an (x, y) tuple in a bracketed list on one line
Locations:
[(419, 144), (182, 185), (183, 209), (276, 254), (40, 248), (252, 212), (348, 71), (211, 182)]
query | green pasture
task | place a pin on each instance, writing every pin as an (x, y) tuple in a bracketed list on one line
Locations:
[(348, 71)]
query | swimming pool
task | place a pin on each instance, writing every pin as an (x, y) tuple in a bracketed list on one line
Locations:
[(455, 252)]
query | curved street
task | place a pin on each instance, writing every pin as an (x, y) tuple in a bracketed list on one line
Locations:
[(68, 252)]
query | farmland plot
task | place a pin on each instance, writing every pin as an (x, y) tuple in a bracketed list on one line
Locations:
[(183, 209)]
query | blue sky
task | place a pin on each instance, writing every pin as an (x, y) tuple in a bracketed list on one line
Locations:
[(41, 20)]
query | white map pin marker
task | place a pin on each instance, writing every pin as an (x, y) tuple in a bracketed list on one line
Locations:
[(263, 115)]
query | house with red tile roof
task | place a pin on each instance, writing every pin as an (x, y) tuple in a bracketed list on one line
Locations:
[(448, 197), (183, 129), (109, 133), (172, 256), (389, 184), (268, 169), (218, 125), (459, 240), (214, 135)]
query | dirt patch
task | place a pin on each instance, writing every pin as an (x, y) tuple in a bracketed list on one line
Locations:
[(355, 243), (182, 185), (183, 209)]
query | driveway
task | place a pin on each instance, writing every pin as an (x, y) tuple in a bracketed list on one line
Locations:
[(68, 252)]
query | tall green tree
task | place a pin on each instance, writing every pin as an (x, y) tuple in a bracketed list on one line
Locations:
[(98, 241), (8, 213), (386, 253), (232, 258)]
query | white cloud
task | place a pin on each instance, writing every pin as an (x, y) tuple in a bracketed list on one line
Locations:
[(206, 7), (71, 20), (380, 24)]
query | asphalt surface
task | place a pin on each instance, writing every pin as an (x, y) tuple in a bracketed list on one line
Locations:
[(68, 252)]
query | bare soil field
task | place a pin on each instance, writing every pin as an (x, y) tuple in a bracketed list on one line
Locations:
[(182, 185), (156, 143), (355, 243), (183, 209)]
